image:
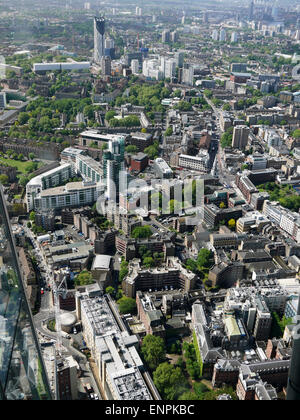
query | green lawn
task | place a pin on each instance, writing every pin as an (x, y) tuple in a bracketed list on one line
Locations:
[(21, 166)]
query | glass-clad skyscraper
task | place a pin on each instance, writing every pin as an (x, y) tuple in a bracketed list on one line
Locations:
[(113, 166), (99, 31), (22, 370)]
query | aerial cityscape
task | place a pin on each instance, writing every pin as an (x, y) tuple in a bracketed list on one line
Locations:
[(150, 202)]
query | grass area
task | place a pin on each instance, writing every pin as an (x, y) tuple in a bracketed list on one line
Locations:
[(285, 194), (20, 165)]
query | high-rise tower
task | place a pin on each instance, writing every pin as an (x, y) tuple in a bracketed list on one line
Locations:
[(251, 10), (99, 31), (22, 370), (113, 166)]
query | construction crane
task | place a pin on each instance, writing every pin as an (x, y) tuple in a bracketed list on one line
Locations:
[(59, 289)]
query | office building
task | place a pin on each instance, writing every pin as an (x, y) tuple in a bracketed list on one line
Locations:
[(171, 275), (73, 66), (69, 154), (197, 163), (240, 137), (99, 31), (251, 10), (238, 68), (22, 370), (222, 37), (73, 194), (46, 220), (119, 366), (50, 179), (166, 36), (174, 36), (106, 66), (188, 74), (179, 58), (162, 169), (170, 69), (66, 377), (135, 66), (139, 162), (88, 168), (215, 35), (138, 11)]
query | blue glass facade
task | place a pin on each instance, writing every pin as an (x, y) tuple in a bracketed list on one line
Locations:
[(22, 371)]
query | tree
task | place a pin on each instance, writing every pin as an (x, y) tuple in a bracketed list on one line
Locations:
[(123, 271), (169, 131), (231, 223), (31, 167), (152, 152), (23, 118), (296, 133), (127, 305), (4, 179), (204, 258), (222, 205), (188, 396), (31, 156), (226, 139), (23, 180), (110, 115), (84, 278), (169, 381), (110, 290), (148, 262), (131, 148), (153, 350), (208, 93), (141, 232), (32, 216), (226, 107)]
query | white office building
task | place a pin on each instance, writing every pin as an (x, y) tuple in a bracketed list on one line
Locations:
[(53, 178), (198, 163), (120, 368), (73, 194), (74, 66), (152, 69), (135, 66), (170, 69)]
